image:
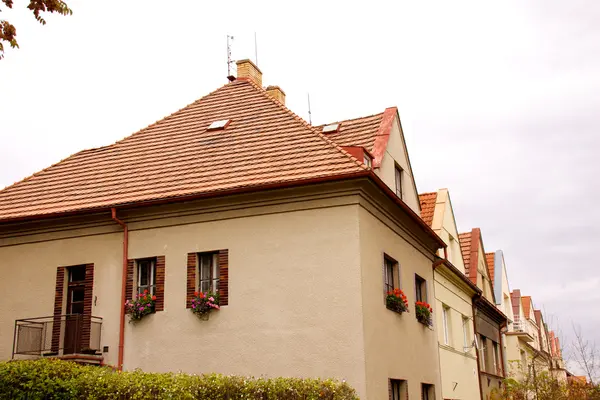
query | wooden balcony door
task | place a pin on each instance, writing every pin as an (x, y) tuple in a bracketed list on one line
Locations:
[(74, 325)]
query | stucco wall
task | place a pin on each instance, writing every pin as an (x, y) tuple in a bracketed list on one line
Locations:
[(396, 346), (458, 367), (294, 293), (396, 154)]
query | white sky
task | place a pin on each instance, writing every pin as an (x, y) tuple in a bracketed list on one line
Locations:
[(499, 103)]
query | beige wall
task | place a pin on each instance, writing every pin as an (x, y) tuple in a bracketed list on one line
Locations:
[(292, 272), (299, 260), (396, 153), (396, 346), (458, 363)]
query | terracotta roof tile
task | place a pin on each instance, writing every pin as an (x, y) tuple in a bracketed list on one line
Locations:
[(489, 257), (427, 201), (176, 156), (356, 132), (526, 305), (465, 248)]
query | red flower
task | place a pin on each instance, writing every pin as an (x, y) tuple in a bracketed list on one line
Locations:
[(146, 291), (153, 297), (195, 293)]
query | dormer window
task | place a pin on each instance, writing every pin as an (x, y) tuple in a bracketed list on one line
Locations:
[(331, 128), (218, 125), (367, 160)]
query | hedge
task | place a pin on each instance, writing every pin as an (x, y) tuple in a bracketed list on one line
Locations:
[(55, 379)]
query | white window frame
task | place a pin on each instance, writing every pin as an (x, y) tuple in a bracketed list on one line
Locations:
[(398, 180), (466, 336), (151, 286), (445, 318), (214, 277)]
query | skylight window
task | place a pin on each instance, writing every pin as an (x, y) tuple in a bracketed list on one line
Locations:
[(331, 128), (222, 124), (367, 160)]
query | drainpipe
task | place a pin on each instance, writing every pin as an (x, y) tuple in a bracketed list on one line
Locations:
[(475, 301), (123, 287)]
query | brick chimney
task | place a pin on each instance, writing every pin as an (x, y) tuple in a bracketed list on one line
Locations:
[(248, 70), (276, 93)]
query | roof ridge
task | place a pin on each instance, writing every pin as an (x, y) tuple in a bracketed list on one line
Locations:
[(351, 119), (306, 124)]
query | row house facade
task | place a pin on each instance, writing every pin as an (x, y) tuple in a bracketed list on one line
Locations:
[(305, 232), (302, 231)]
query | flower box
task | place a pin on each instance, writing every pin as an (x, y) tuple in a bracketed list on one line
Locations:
[(142, 305), (205, 303), (423, 313), (396, 301)]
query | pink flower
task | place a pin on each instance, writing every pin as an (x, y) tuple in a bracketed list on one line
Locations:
[(211, 298)]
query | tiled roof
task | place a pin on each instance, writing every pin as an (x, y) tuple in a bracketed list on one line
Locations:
[(489, 257), (265, 144), (526, 305), (465, 248), (427, 201), (356, 132)]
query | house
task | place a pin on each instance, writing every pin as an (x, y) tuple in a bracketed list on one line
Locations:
[(301, 230), (499, 278), (454, 294), (489, 320)]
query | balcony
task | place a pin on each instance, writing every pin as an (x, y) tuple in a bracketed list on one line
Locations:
[(522, 329), (73, 337)]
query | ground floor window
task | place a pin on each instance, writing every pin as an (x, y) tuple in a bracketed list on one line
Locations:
[(398, 389), (427, 392)]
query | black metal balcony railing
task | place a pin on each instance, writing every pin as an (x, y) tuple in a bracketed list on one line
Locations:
[(57, 335)]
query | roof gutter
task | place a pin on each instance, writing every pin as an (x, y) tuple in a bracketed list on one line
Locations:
[(123, 286), (279, 185)]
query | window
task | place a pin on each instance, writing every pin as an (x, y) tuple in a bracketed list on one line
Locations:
[(398, 389), (496, 367), (420, 289), (398, 177), (146, 276), (466, 336), (367, 160), (446, 322), (208, 267), (483, 353), (391, 278), (216, 125), (427, 392)]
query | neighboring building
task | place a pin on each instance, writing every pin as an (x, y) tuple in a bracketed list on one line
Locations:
[(454, 294), (558, 364), (301, 237), (489, 320), (499, 278)]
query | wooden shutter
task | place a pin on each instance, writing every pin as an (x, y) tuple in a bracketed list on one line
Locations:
[(223, 277), (88, 296), (129, 283), (58, 304), (160, 284), (192, 261)]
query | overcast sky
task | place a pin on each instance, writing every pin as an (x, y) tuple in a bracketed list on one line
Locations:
[(499, 103)]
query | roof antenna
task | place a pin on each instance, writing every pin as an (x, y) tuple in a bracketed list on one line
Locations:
[(255, 50), (309, 113), (229, 60)]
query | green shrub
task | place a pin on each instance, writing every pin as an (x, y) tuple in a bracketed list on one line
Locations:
[(55, 379)]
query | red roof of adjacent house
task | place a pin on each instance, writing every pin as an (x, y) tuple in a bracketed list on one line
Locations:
[(465, 248), (265, 144), (372, 133), (526, 305), (428, 201), (355, 132), (489, 257)]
